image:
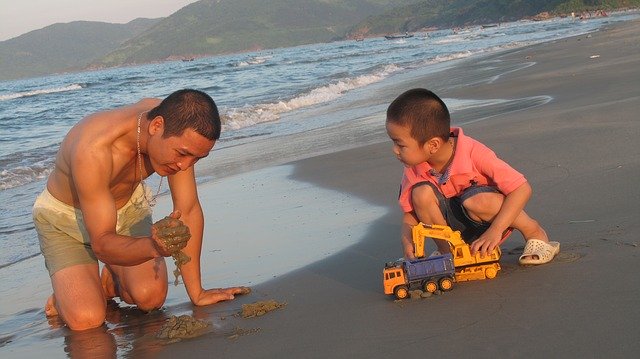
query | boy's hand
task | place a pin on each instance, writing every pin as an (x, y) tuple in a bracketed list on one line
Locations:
[(408, 252), (170, 234), (486, 243)]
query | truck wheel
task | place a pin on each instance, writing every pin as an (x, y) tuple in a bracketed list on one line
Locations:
[(430, 286), (401, 292), (446, 284), (490, 273)]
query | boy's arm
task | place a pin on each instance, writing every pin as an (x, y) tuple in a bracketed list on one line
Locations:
[(512, 207), (408, 221)]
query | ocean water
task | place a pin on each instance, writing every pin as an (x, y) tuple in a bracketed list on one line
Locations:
[(277, 106)]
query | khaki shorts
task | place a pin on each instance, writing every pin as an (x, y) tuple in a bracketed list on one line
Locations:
[(64, 240)]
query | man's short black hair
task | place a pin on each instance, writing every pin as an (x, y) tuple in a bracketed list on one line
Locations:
[(188, 108)]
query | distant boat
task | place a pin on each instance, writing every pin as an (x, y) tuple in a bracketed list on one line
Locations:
[(189, 59), (394, 37), (489, 25)]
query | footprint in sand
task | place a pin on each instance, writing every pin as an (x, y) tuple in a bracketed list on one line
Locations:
[(568, 257)]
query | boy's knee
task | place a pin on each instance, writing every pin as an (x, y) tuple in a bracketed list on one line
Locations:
[(423, 196), (148, 297), (485, 203)]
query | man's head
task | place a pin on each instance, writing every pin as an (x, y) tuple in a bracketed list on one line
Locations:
[(423, 112), (188, 108), (418, 124), (183, 128)]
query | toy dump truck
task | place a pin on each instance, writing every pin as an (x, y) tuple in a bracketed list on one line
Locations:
[(427, 274), (467, 266)]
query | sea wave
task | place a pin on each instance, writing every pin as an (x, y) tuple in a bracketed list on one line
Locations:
[(253, 60), (15, 95), (27, 166), (248, 116), (21, 175)]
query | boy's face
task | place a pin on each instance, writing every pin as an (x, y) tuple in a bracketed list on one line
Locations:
[(406, 148)]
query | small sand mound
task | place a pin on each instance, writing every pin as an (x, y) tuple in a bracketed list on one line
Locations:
[(260, 308), (184, 326)]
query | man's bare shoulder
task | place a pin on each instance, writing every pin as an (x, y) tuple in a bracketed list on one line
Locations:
[(145, 104)]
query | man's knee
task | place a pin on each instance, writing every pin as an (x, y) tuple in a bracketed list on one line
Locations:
[(85, 317), (149, 296)]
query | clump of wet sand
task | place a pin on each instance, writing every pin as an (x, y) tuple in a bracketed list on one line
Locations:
[(260, 308), (174, 234), (182, 327)]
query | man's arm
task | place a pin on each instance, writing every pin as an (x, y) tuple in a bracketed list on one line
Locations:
[(185, 199), (91, 169)]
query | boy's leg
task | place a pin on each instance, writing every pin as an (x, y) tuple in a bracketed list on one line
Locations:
[(428, 208), (144, 285), (483, 207), (78, 297)]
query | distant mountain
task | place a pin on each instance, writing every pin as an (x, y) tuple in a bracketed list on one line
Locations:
[(452, 13), (210, 27), (64, 47)]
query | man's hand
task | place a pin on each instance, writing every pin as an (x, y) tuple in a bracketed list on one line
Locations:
[(211, 296), (170, 234)]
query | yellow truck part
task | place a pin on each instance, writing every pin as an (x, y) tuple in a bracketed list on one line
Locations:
[(468, 266)]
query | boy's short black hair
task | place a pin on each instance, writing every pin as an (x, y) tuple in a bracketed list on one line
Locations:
[(425, 113), (188, 109)]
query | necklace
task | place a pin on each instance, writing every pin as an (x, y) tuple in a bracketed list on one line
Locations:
[(151, 202)]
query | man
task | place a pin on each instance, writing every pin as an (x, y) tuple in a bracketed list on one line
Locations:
[(95, 207)]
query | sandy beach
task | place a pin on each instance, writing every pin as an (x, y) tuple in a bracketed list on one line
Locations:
[(568, 120), (580, 153)]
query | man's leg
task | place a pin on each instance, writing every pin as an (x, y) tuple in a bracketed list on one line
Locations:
[(78, 297), (144, 285)]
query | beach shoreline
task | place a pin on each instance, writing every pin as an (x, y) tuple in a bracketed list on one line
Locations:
[(570, 127), (566, 147)]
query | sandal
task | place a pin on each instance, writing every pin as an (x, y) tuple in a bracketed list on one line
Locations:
[(535, 247)]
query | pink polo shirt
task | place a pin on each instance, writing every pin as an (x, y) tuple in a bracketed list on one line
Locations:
[(473, 163)]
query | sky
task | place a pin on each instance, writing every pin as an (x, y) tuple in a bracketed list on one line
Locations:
[(18, 17)]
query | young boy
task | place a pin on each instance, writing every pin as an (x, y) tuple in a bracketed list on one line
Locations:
[(452, 179)]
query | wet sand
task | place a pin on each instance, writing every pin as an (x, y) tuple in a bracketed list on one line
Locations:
[(581, 154)]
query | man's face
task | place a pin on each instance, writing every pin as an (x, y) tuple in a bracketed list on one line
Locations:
[(406, 148), (179, 153)]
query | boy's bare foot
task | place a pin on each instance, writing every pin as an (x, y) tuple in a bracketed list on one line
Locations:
[(108, 284), (50, 308)]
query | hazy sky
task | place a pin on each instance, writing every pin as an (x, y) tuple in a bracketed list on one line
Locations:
[(21, 16)]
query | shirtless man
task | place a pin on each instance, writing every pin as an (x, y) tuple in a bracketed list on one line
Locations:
[(95, 207)]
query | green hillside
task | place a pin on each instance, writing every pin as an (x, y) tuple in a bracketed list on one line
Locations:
[(210, 27), (451, 13), (223, 26), (64, 47)]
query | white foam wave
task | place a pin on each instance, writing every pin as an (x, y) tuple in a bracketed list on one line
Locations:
[(18, 176), (248, 116), (255, 60), (450, 39), (12, 96)]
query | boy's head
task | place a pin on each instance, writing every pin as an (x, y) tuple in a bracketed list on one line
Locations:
[(423, 112), (418, 124)]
